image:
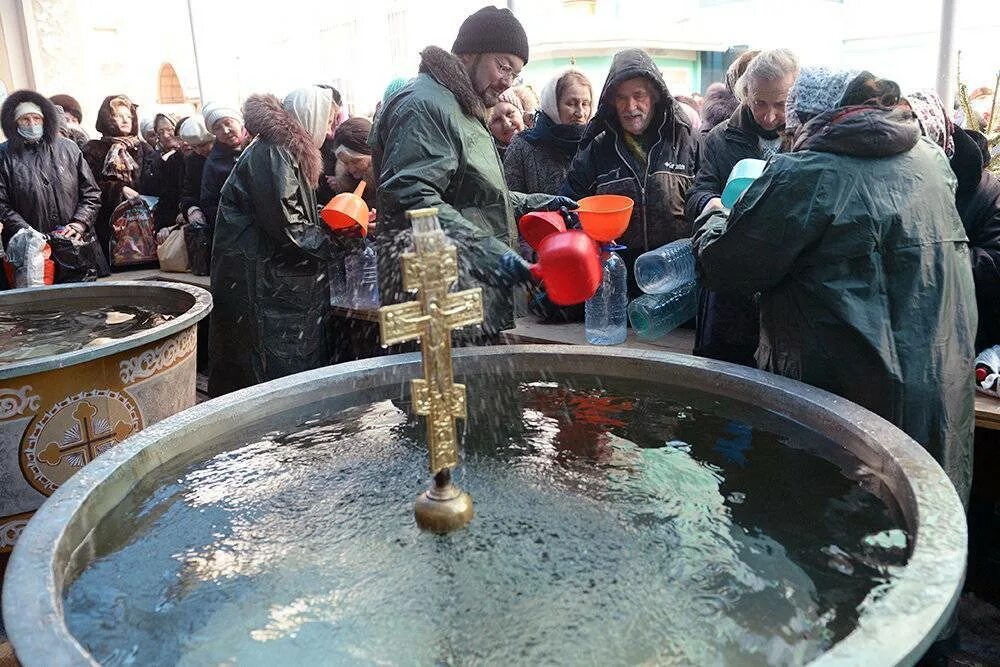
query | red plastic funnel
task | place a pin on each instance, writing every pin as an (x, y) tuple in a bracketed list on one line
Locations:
[(536, 226), (569, 265), (347, 210)]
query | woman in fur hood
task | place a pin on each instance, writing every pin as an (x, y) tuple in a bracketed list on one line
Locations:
[(271, 314)]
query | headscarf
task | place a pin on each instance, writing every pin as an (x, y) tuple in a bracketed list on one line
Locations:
[(548, 130), (311, 108), (817, 89), (933, 118), (119, 165)]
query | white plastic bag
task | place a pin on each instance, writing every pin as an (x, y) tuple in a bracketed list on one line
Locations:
[(26, 253)]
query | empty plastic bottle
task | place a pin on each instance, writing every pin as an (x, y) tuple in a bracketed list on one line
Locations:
[(655, 315), (337, 277), (606, 313), (665, 268), (367, 290)]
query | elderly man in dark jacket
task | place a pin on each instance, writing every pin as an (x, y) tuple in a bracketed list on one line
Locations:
[(433, 149), (45, 183), (638, 144), (727, 323)]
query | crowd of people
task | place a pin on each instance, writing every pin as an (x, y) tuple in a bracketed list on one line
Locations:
[(865, 260)]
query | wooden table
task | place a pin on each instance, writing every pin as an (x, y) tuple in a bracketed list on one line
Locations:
[(987, 412)]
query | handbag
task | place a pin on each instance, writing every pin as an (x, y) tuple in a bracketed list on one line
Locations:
[(78, 261), (133, 234), (173, 251)]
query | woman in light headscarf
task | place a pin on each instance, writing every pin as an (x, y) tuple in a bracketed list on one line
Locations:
[(854, 243), (977, 198), (538, 159), (271, 313), (116, 160)]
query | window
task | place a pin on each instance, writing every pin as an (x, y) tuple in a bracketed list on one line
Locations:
[(170, 91)]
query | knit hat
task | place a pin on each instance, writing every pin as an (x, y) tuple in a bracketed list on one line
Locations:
[(817, 89), (352, 134), (192, 130), (933, 119), (510, 97), (25, 108), (214, 112), (394, 86), (492, 30), (69, 105)]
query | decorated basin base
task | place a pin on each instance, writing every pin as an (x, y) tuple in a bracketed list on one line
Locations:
[(630, 508), (82, 367)]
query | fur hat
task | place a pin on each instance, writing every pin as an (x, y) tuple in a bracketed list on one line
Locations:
[(69, 105), (492, 30)]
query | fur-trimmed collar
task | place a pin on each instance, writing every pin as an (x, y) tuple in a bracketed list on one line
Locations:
[(447, 69), (50, 121), (267, 119)]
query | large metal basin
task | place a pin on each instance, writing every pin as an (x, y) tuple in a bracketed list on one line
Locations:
[(59, 412), (896, 629)]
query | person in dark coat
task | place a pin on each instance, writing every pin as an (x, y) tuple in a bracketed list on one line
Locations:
[(977, 198), (45, 183), (163, 172), (861, 259), (226, 124), (726, 323), (638, 144), (432, 149), (116, 160), (271, 312), (73, 114), (354, 157), (538, 158), (196, 144)]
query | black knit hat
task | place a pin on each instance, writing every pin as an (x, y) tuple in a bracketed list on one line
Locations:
[(492, 30)]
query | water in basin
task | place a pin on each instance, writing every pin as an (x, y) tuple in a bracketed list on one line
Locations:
[(46, 331), (616, 523)]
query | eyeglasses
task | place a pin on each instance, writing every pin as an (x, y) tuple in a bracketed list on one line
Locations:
[(506, 71)]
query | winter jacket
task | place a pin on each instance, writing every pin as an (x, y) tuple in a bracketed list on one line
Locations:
[(978, 201), (164, 179), (534, 167), (95, 153), (860, 255), (432, 149), (727, 323), (218, 165), (44, 184), (271, 297), (604, 165), (194, 166)]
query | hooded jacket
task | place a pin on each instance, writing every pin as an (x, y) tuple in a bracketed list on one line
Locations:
[(604, 165), (432, 149), (978, 201), (854, 241), (96, 151), (271, 313), (44, 184)]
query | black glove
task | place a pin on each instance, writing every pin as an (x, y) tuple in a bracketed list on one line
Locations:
[(553, 204), (514, 270)]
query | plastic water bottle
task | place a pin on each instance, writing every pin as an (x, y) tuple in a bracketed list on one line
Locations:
[(666, 268), (368, 296), (655, 315), (337, 277), (606, 313)]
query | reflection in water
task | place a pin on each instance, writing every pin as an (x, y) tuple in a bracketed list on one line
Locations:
[(44, 332), (608, 530)]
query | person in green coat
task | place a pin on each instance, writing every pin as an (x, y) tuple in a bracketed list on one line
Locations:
[(271, 314), (862, 264), (432, 148)]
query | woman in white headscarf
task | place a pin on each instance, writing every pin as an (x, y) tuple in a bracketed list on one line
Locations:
[(271, 313)]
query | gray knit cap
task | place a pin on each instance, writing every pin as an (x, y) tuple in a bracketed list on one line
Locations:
[(817, 89)]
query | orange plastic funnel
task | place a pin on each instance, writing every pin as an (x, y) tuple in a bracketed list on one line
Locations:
[(346, 210), (605, 217)]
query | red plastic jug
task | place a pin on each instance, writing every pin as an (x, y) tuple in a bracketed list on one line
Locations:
[(536, 226), (569, 266)]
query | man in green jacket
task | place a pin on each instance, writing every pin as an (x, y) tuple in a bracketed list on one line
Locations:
[(432, 148), (862, 262)]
